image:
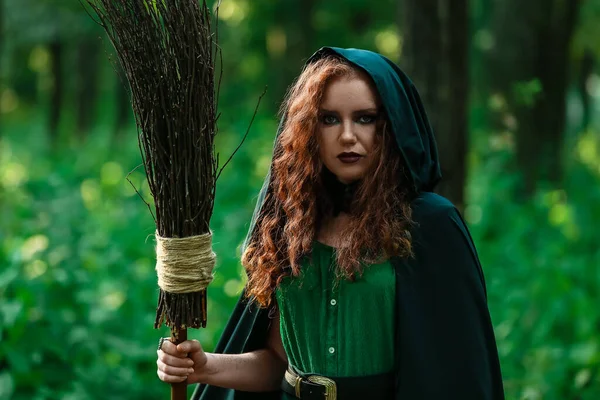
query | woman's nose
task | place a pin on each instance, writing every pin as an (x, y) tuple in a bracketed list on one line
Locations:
[(348, 134)]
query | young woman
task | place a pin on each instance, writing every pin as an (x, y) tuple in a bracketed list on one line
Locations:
[(362, 283)]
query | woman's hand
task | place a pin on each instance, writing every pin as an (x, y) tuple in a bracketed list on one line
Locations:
[(259, 370), (176, 363)]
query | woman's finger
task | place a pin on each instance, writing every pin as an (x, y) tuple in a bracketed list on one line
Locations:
[(168, 378), (170, 348), (174, 371), (174, 361)]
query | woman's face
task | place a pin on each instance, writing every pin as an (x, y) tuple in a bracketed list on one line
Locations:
[(347, 127)]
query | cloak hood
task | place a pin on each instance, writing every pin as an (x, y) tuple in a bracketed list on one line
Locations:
[(406, 115), (404, 110)]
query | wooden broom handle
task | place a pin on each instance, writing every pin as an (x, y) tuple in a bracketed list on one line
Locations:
[(179, 389)]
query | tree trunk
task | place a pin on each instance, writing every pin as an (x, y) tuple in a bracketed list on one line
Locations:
[(528, 67), (586, 70), (555, 84), (453, 129), (1, 88), (56, 95), (435, 56), (1, 54), (88, 51), (296, 17)]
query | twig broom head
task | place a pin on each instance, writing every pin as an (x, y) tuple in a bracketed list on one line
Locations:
[(167, 52)]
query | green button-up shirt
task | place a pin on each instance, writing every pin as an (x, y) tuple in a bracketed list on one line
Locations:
[(338, 328)]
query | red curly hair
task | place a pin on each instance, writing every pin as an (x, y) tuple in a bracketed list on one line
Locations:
[(297, 200)]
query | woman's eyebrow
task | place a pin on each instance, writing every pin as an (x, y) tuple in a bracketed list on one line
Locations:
[(368, 110), (361, 111)]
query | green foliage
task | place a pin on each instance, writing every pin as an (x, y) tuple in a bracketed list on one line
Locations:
[(78, 289), (77, 285), (541, 263), (526, 93)]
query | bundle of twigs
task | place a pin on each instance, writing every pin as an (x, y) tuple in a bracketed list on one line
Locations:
[(167, 51)]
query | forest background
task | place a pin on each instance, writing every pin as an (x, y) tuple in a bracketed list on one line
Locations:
[(511, 87)]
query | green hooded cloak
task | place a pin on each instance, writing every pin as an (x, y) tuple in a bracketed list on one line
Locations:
[(445, 345)]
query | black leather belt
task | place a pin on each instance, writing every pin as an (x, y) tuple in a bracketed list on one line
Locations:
[(318, 387)]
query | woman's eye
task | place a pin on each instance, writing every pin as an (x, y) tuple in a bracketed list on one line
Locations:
[(367, 119), (329, 119)]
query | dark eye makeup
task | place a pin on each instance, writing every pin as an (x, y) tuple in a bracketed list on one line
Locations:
[(367, 119), (330, 118)]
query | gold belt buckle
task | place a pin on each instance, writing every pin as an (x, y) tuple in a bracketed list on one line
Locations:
[(297, 385), (330, 386)]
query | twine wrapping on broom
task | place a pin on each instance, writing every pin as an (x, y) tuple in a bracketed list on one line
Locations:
[(184, 265)]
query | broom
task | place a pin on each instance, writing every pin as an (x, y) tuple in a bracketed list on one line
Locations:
[(167, 51)]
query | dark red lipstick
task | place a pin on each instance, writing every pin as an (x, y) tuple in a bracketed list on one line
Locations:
[(349, 158)]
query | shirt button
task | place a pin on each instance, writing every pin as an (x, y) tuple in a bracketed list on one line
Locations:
[(331, 350), (333, 302)]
